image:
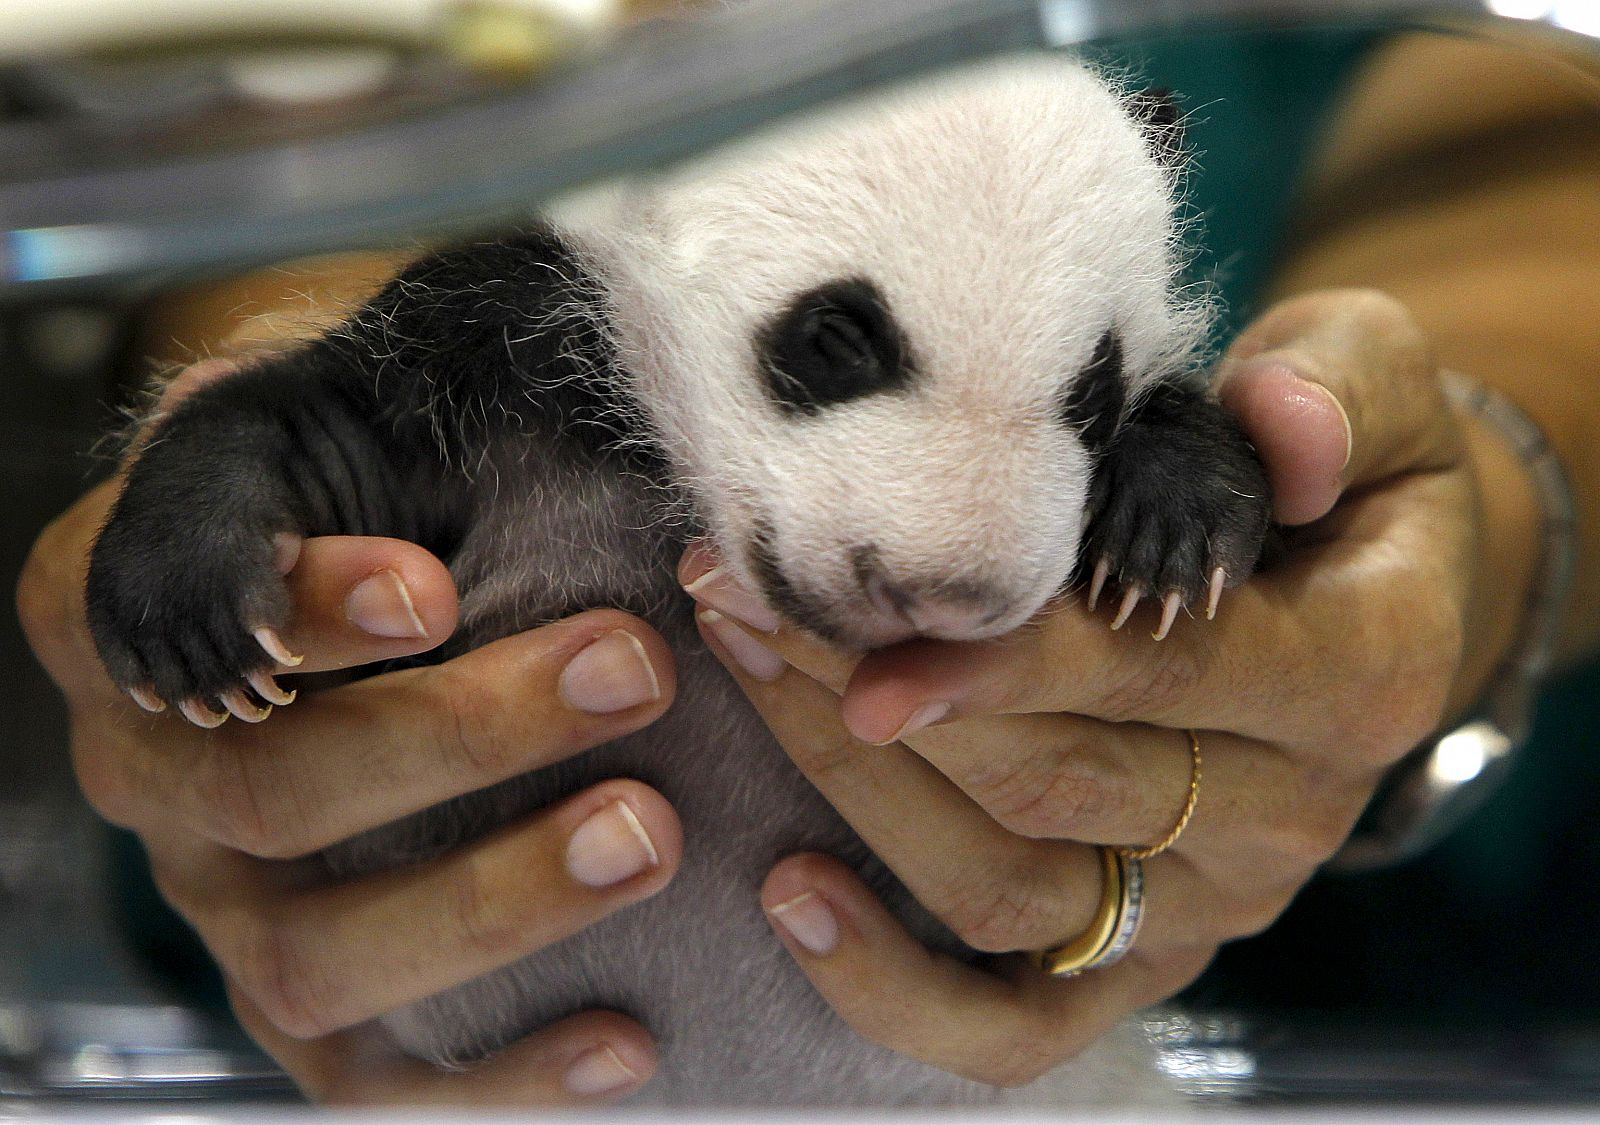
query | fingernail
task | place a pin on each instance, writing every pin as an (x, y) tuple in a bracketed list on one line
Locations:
[(609, 847), (597, 1072), (1303, 395), (759, 661), (698, 557), (716, 589), (1319, 391), (381, 605), (612, 674), (924, 716), (1314, 397), (809, 922)]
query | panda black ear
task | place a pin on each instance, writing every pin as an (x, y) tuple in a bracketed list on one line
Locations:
[(1157, 112)]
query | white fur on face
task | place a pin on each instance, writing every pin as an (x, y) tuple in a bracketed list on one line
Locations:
[(1009, 216)]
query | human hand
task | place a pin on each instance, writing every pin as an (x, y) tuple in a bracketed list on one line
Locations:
[(984, 773), (229, 816)]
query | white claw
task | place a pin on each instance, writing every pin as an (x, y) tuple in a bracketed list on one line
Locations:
[(202, 716), (1129, 600), (273, 644), (242, 709), (147, 699), (1102, 570), (1169, 614), (1214, 598), (267, 688)]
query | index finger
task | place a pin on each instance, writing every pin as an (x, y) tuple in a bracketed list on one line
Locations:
[(1337, 639), (589, 1058), (357, 600), (368, 753), (1384, 582)]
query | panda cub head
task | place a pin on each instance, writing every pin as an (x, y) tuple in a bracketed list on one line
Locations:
[(884, 347)]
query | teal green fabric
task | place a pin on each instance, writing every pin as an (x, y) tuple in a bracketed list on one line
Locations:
[(1254, 106)]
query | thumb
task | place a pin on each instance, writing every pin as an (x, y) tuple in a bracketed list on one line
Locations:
[(1338, 390)]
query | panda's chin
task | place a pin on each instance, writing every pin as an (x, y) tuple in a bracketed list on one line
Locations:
[(855, 623), (880, 632), (865, 606), (877, 632)]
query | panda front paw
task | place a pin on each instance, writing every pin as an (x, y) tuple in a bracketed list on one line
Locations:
[(1180, 509), (186, 600)]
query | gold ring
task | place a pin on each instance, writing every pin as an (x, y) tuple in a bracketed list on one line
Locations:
[(1115, 925), (1188, 807)]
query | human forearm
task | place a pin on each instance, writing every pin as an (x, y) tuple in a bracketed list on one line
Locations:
[(1489, 246)]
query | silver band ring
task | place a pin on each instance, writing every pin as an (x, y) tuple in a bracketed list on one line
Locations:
[(1116, 924)]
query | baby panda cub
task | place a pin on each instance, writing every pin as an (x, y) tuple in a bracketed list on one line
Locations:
[(915, 366)]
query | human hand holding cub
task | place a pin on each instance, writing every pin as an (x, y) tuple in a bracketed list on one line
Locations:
[(1061, 736), (226, 815), (983, 773)]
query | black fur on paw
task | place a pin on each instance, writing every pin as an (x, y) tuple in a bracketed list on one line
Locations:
[(185, 600), (1180, 507)]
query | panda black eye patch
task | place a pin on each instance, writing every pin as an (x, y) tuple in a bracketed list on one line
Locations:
[(834, 343)]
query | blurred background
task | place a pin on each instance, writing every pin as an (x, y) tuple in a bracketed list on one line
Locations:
[(159, 162)]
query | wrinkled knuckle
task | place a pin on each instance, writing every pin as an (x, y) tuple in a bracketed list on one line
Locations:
[(1018, 1066), (1405, 704), (1178, 968), (884, 1016), (823, 757), (276, 970), (1004, 914), (1382, 311), (477, 733), (1314, 837), (482, 914), (1046, 794), (1149, 683), (1021, 1059), (1301, 831), (229, 797), (1029, 673), (1385, 317), (1434, 671), (1329, 832), (343, 1090), (1398, 693), (1377, 307)]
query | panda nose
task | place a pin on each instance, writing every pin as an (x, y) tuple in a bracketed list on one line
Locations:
[(950, 610)]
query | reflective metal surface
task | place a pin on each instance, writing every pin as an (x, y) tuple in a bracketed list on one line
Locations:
[(98, 212)]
